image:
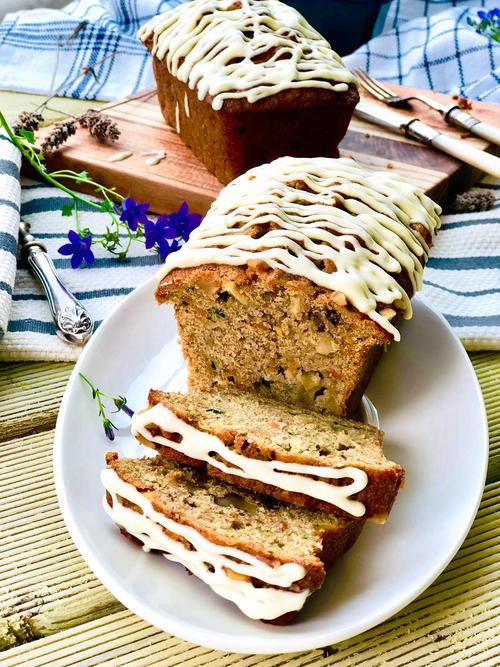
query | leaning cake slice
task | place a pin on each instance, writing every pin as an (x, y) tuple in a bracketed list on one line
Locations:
[(296, 455), (294, 282), (263, 555)]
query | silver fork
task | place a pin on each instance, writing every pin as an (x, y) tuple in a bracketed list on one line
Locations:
[(451, 114)]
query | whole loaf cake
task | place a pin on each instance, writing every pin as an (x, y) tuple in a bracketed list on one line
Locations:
[(246, 81), (295, 280)]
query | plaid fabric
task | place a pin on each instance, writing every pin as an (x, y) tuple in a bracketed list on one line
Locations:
[(89, 48), (425, 43), (429, 44)]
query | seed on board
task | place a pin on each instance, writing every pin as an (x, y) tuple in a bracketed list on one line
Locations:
[(117, 157)]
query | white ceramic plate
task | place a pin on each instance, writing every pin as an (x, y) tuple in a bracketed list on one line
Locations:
[(431, 409)]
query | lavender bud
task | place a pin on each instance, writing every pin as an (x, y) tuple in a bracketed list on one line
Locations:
[(108, 429), (127, 410)]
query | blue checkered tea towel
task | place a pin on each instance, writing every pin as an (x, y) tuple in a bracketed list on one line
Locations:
[(89, 49)]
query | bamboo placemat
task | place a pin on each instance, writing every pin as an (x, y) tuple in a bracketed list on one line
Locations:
[(55, 612)]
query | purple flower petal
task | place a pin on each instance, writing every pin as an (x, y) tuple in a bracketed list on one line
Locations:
[(88, 256), (183, 210), (66, 249), (74, 237), (76, 259)]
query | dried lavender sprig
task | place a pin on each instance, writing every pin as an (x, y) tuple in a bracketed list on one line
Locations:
[(27, 120), (475, 199), (59, 135), (100, 125), (120, 404)]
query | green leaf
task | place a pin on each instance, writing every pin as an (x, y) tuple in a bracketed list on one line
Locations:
[(28, 135), (67, 210), (82, 176)]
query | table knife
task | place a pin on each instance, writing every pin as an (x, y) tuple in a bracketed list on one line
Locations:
[(73, 323), (415, 129)]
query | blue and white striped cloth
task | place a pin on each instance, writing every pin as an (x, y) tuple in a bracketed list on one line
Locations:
[(462, 278), (424, 43), (29, 331), (10, 197)]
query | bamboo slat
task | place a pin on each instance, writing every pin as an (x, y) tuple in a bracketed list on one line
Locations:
[(453, 623), (30, 395)]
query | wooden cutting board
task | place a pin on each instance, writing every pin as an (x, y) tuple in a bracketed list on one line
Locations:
[(181, 176)]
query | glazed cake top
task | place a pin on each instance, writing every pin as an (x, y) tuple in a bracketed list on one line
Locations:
[(324, 219), (243, 48)]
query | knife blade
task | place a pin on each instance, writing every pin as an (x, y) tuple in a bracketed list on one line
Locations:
[(415, 129)]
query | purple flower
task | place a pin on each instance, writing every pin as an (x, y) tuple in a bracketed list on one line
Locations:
[(121, 404), (109, 429), (127, 410), (157, 233), (182, 222), (482, 15), (133, 213), (79, 249)]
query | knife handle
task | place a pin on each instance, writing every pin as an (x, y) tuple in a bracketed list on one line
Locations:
[(459, 149), (73, 323), (460, 118)]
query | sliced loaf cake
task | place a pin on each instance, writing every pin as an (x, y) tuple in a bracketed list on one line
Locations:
[(294, 454), (265, 556), (294, 282)]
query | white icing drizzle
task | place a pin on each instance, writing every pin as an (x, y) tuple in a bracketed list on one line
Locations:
[(186, 104), (212, 45), (344, 207), (177, 119), (200, 445), (262, 603)]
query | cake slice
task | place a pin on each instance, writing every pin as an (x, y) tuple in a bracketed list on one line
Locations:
[(315, 461), (295, 281), (265, 556)]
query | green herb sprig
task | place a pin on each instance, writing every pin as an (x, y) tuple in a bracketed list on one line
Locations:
[(120, 403)]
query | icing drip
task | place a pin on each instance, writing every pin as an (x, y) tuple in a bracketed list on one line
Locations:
[(262, 603), (177, 119), (288, 476), (247, 48), (358, 220)]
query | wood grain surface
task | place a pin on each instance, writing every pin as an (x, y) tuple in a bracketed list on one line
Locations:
[(181, 176)]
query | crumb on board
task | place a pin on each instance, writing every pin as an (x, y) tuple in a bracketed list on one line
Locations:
[(463, 103)]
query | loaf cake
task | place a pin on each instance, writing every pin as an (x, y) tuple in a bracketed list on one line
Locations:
[(291, 453), (296, 278), (246, 81), (263, 555)]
